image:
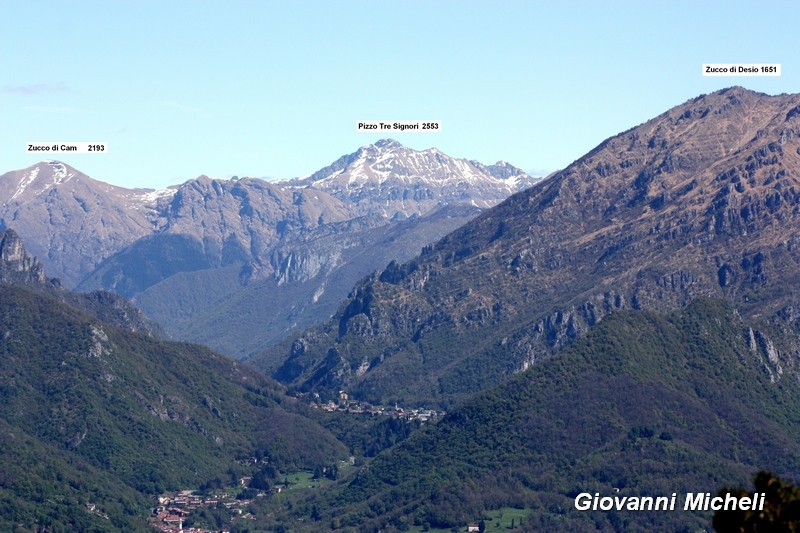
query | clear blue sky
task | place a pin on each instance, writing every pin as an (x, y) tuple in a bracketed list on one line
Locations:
[(274, 89)]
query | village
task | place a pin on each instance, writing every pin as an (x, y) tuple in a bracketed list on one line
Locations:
[(173, 509), (347, 405)]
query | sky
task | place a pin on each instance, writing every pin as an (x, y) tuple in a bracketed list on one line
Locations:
[(275, 89)]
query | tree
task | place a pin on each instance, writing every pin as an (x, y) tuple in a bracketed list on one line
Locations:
[(332, 472), (260, 481), (781, 508)]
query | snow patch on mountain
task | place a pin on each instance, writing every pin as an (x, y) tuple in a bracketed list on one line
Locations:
[(25, 181), (60, 174), (153, 197)]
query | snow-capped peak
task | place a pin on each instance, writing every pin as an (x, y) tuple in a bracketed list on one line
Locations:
[(41, 177), (387, 144), (394, 179), (60, 173)]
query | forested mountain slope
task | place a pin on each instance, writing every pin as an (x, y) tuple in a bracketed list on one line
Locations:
[(91, 412), (644, 404)]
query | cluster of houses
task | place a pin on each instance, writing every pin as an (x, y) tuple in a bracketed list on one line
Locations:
[(173, 509), (347, 405)]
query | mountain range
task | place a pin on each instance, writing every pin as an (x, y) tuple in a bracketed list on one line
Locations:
[(185, 252), (699, 201)]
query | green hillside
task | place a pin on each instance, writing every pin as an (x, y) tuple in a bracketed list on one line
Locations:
[(644, 403), (90, 412)]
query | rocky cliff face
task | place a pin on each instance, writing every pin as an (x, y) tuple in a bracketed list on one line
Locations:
[(701, 200), (15, 263), (242, 220), (17, 267)]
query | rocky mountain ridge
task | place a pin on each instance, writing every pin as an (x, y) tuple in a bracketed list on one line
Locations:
[(395, 181), (209, 223), (699, 201)]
